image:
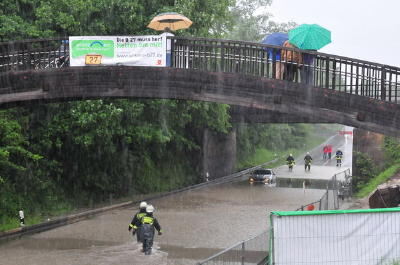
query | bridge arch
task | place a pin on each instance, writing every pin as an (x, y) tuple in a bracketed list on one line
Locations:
[(256, 99), (344, 90)]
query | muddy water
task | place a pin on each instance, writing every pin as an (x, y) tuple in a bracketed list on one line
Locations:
[(196, 225)]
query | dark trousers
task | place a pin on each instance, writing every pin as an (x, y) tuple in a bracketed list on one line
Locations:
[(290, 72), (148, 237), (139, 234), (307, 75)]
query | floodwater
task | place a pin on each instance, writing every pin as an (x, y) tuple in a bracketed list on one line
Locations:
[(196, 224)]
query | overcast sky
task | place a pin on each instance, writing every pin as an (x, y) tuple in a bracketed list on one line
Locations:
[(363, 29)]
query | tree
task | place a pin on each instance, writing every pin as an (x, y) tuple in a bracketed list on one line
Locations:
[(252, 21)]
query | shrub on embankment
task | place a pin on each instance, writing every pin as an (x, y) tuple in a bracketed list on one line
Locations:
[(369, 176)]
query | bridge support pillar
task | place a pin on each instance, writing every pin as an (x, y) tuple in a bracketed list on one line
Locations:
[(219, 154)]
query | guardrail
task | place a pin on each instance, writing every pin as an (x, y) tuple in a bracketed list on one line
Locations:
[(60, 221), (322, 70), (250, 251)]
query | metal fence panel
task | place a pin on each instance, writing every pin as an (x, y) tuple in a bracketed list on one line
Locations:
[(368, 237)]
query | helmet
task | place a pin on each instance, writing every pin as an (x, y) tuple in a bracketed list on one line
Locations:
[(143, 205), (149, 209), (308, 153), (290, 154)]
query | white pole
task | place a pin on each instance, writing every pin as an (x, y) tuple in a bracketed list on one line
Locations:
[(21, 218)]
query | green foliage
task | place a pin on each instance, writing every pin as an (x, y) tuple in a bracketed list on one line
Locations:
[(392, 149), (251, 21), (371, 185), (366, 171), (56, 155), (21, 19), (260, 155), (270, 136), (258, 143)]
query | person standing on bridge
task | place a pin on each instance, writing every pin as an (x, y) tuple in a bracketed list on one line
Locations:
[(292, 60), (308, 68), (149, 224), (307, 161), (135, 224)]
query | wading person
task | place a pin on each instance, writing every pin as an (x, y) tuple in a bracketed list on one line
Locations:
[(149, 225), (135, 224), (307, 162), (290, 162), (339, 156)]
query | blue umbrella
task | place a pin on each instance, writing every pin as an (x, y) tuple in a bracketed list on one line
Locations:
[(277, 38)]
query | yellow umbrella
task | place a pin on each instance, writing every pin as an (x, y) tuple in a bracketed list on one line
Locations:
[(170, 20)]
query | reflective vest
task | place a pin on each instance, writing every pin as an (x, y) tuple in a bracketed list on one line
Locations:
[(137, 217), (147, 220)]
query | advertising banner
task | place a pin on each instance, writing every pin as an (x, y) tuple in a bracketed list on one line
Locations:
[(118, 50)]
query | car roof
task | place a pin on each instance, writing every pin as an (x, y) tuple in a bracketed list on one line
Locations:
[(262, 169)]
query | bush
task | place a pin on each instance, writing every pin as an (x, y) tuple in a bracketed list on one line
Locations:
[(365, 171)]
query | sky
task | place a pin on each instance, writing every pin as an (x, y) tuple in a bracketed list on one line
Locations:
[(363, 29)]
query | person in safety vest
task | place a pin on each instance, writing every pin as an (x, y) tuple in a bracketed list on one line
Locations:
[(135, 221), (307, 161), (339, 156), (290, 162), (149, 224)]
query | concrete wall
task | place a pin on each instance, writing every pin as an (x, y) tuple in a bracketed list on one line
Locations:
[(219, 154)]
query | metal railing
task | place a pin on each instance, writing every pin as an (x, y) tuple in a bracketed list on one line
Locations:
[(316, 69), (250, 251), (322, 70), (337, 189), (255, 249)]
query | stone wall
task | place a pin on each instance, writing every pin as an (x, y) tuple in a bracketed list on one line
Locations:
[(219, 154)]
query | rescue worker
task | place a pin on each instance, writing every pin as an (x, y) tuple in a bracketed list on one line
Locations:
[(339, 155), (290, 161), (307, 161), (135, 221), (149, 224)]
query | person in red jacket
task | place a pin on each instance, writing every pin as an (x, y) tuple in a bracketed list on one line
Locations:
[(329, 151), (325, 150)]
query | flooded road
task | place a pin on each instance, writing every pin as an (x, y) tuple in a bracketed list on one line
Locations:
[(196, 225)]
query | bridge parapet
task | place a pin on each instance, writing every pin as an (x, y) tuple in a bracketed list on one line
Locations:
[(322, 70), (338, 73)]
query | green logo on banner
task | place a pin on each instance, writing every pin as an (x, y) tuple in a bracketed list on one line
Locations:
[(83, 47)]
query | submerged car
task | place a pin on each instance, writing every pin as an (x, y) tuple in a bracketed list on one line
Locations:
[(263, 175)]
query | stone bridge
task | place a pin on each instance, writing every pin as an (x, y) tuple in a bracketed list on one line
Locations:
[(343, 90)]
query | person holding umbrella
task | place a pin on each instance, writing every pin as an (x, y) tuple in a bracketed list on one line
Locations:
[(277, 39), (292, 61), (311, 37), (168, 22)]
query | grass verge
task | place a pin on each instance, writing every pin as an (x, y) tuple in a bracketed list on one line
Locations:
[(382, 177), (261, 155)]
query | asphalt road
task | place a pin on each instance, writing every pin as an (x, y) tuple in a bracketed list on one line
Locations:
[(196, 223)]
